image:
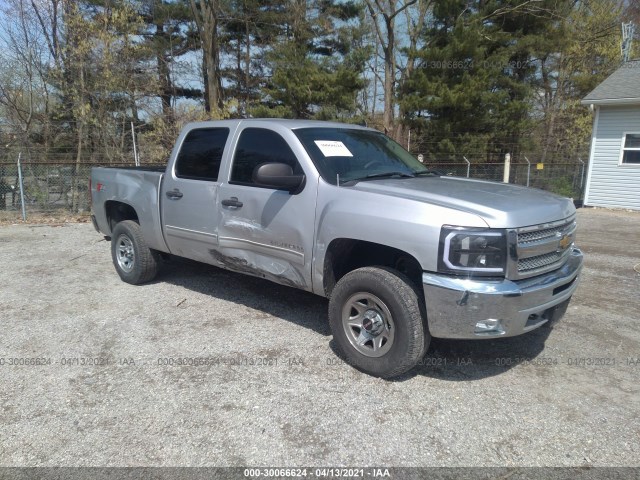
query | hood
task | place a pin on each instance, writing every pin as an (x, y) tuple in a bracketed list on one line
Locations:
[(500, 205)]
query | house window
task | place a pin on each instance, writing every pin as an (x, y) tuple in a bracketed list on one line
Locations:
[(631, 149)]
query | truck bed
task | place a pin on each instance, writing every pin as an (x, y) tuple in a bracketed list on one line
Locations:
[(135, 187)]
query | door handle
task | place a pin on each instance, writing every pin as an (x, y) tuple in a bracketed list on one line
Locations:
[(232, 202), (174, 194)]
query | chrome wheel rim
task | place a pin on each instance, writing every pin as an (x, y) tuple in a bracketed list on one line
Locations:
[(125, 253), (368, 324)]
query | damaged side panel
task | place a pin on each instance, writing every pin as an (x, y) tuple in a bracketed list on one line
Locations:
[(260, 266), (269, 236), (137, 188)]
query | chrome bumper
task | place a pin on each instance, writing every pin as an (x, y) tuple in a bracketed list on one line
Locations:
[(472, 308)]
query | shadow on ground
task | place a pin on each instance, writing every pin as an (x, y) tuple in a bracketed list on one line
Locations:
[(296, 306), (449, 360), (460, 360)]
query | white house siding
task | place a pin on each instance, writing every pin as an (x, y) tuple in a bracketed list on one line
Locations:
[(610, 184)]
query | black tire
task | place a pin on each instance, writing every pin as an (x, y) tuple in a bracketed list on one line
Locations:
[(135, 262), (383, 290)]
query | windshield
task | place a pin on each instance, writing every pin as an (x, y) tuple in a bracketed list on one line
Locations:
[(350, 154)]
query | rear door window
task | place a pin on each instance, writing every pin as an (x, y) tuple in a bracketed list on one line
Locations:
[(201, 154)]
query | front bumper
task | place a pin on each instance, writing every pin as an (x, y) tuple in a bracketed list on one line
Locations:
[(472, 308)]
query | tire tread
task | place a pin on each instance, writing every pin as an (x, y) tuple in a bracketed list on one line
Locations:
[(412, 302), (146, 260)]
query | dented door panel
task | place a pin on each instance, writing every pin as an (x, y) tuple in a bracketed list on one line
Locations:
[(270, 236)]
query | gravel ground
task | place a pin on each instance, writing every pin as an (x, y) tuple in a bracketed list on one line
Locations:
[(111, 391)]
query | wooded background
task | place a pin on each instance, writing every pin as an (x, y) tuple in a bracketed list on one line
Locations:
[(447, 78)]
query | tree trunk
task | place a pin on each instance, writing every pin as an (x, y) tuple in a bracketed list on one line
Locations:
[(389, 79), (213, 82), (247, 65), (207, 21), (387, 116), (164, 76)]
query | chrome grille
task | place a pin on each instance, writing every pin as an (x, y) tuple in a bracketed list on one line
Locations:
[(539, 261), (528, 237), (541, 248)]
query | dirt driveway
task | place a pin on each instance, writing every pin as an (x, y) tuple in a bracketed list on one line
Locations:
[(209, 368)]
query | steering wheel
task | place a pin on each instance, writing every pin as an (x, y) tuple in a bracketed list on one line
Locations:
[(372, 163)]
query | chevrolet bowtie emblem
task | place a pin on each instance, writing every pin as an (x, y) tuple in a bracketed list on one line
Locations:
[(564, 242)]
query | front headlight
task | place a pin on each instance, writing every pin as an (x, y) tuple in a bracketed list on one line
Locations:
[(472, 250)]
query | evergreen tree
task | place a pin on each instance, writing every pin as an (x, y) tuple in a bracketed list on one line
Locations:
[(250, 28), (470, 94), (168, 33), (317, 66)]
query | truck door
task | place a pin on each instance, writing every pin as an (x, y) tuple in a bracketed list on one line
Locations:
[(189, 194), (264, 231)]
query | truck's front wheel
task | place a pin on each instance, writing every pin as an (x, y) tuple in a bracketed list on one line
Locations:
[(135, 262), (377, 321)]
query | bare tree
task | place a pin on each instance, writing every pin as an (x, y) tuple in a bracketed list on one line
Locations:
[(25, 53), (385, 15)]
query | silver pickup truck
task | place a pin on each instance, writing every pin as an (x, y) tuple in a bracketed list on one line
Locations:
[(343, 211)]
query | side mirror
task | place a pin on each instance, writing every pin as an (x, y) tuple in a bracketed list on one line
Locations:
[(278, 175)]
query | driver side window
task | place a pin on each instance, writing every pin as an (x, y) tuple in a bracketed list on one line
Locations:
[(255, 147)]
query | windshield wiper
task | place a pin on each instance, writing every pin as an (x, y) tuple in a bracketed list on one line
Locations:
[(390, 174), (425, 172), (373, 176)]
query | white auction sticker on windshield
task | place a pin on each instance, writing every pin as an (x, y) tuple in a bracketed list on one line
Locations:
[(333, 148)]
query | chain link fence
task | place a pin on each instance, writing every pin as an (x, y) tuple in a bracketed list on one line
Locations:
[(62, 189), (54, 190), (566, 179)]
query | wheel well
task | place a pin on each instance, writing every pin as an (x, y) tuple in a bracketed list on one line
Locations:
[(345, 255), (118, 212)]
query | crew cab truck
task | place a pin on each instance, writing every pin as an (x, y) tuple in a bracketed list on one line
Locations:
[(402, 254)]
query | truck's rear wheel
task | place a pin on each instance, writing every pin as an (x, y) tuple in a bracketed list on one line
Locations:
[(135, 262), (377, 321)]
